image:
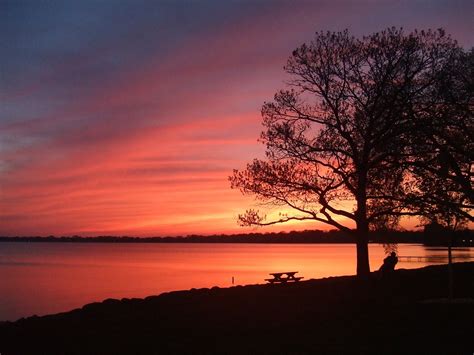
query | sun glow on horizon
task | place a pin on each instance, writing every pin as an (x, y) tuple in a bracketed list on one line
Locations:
[(119, 121)]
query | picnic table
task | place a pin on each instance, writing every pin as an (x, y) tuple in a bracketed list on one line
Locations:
[(278, 277)]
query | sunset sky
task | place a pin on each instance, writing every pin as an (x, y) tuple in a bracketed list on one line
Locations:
[(127, 117)]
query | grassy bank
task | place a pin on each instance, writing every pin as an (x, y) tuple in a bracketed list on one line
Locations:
[(332, 315)]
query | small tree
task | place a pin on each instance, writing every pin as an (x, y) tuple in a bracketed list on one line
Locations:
[(450, 220), (341, 131)]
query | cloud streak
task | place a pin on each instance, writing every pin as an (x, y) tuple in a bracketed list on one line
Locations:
[(127, 118)]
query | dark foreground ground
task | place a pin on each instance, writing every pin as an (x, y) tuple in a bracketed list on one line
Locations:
[(334, 315)]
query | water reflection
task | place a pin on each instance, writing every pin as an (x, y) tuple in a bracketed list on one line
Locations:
[(63, 276)]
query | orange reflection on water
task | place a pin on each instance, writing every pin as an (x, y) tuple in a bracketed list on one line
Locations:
[(43, 278)]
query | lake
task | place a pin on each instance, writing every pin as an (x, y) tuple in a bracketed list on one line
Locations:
[(44, 278)]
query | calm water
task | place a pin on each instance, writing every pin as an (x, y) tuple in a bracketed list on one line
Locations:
[(43, 278)]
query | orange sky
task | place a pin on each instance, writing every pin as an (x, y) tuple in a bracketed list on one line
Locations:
[(119, 119)]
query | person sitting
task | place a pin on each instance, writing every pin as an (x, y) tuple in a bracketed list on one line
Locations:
[(389, 264)]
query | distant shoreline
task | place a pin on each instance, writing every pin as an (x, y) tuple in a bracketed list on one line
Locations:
[(462, 238)]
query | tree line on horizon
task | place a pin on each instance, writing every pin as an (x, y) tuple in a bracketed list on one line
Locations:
[(437, 236)]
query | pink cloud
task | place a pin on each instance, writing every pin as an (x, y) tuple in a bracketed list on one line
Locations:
[(149, 151)]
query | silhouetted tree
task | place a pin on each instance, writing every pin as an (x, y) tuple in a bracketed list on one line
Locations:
[(443, 168), (443, 148), (338, 140)]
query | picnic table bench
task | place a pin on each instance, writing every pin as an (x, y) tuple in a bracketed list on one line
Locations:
[(278, 277)]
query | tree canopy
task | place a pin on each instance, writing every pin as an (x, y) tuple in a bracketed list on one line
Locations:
[(443, 146)]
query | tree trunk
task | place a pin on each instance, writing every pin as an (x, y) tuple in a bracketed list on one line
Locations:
[(450, 269), (450, 275), (362, 231), (363, 266)]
